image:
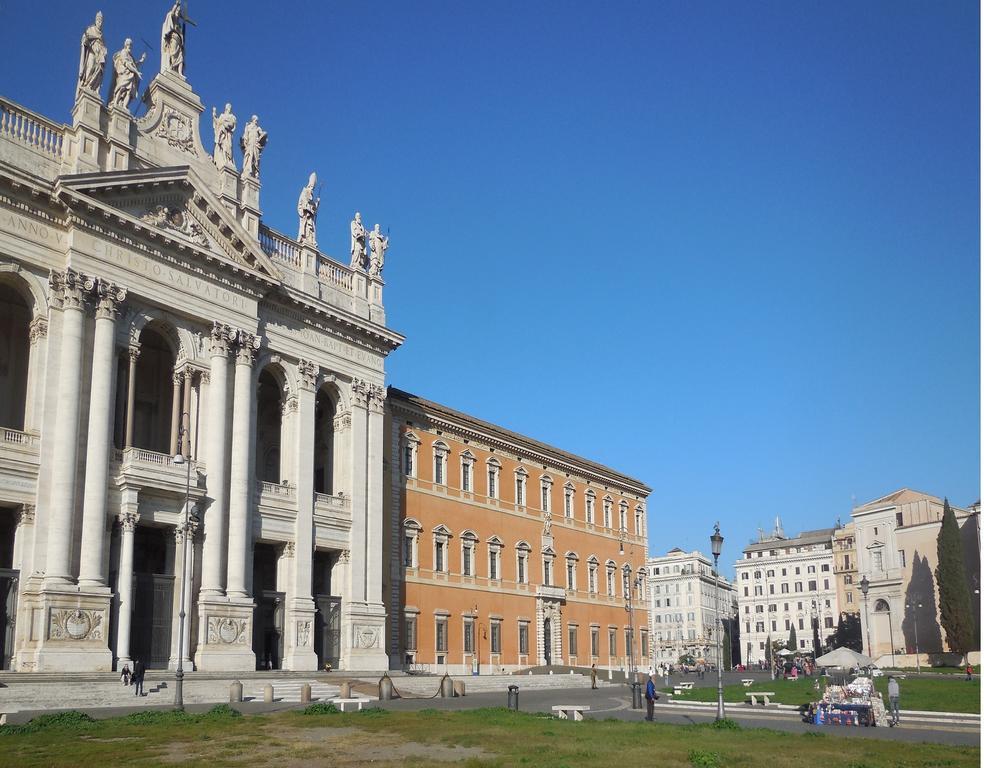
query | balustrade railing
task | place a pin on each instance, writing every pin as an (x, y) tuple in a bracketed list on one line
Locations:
[(276, 489), (16, 437), (280, 247), (335, 274), (326, 499), (25, 127)]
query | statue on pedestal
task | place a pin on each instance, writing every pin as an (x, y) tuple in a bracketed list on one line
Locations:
[(126, 76), (224, 126), (92, 59), (252, 143), (378, 242), (307, 210), (173, 40), (357, 249)]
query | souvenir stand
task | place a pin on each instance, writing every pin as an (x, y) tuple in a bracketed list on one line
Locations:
[(856, 703)]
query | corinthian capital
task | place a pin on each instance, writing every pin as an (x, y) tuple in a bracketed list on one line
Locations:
[(70, 287), (128, 521), (221, 338), (109, 296), (308, 371), (360, 393), (246, 346), (38, 328)]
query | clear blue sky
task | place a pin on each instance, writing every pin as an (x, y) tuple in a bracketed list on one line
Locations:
[(731, 249)]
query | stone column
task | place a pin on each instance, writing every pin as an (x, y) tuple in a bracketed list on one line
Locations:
[(183, 566), (358, 478), (131, 394), (376, 452), (128, 523), (301, 653), (23, 536), (35, 377), (241, 491), (175, 411), (73, 289), (185, 447), (91, 573), (215, 516)]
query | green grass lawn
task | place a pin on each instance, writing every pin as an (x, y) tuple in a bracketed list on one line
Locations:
[(484, 737), (946, 694)]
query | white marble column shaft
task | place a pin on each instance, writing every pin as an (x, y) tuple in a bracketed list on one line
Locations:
[(357, 586), (374, 496), (304, 457), (91, 573), (240, 484), (131, 394), (73, 288), (215, 515), (128, 524), (175, 412)]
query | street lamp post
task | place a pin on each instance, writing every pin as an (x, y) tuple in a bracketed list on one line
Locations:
[(179, 459), (717, 540), (816, 629), (915, 620), (629, 586), (865, 585)]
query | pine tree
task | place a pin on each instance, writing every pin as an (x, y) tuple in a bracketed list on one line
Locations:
[(956, 610), (791, 643)]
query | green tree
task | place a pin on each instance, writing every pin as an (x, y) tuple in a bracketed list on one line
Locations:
[(791, 643), (848, 633), (956, 609)]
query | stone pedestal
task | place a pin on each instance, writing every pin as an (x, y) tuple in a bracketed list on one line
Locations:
[(309, 267), (299, 652), (229, 189), (87, 119), (225, 636), (119, 125), (375, 290), (364, 637), (250, 205), (68, 632)]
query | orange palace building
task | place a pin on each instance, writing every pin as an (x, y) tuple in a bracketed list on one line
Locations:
[(505, 552)]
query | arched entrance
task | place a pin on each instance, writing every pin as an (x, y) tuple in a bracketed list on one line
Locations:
[(269, 423), (15, 355), (153, 393), (8, 586), (547, 642), (153, 596), (324, 443)]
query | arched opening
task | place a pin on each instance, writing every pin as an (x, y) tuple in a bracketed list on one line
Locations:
[(324, 443), (153, 393), (15, 355), (269, 422), (9, 576), (268, 620), (153, 606), (881, 606)]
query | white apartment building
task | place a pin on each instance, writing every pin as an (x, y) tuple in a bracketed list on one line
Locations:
[(684, 598), (782, 583)]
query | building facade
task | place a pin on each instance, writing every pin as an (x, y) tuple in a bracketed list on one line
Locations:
[(897, 552), (686, 601), (784, 583), (506, 552), (192, 402), (846, 569)]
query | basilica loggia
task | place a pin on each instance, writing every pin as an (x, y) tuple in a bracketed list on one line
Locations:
[(191, 402)]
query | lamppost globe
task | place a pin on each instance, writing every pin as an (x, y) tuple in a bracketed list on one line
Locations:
[(178, 459)]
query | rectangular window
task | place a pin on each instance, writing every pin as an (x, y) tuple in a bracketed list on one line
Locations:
[(828, 622), (439, 564), (608, 514), (465, 476), (441, 634), (812, 585), (408, 552), (784, 588), (628, 641), (589, 509), (521, 568), (594, 641), (520, 492), (826, 583), (496, 640), (825, 568), (547, 571), (901, 557), (466, 561), (469, 636), (801, 623), (850, 597), (544, 497), (524, 638), (612, 651), (408, 460), (494, 564), (439, 469), (645, 644), (572, 641), (570, 575), (876, 559), (799, 586), (898, 519), (410, 632), (492, 478), (568, 503)]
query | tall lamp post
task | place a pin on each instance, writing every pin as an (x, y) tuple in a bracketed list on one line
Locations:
[(717, 540), (865, 585), (915, 619), (816, 629), (630, 584), (179, 459)]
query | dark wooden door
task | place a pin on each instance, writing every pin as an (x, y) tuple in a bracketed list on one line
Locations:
[(150, 627), (8, 614), (328, 629)]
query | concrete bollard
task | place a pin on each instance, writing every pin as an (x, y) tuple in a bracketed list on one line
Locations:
[(345, 690), (235, 692), (385, 688), (512, 700), (306, 693), (459, 687), (268, 694), (447, 687)]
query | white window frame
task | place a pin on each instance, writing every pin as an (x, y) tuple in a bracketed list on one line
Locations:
[(441, 536), (607, 512), (441, 452), (610, 568), (589, 507), (547, 572), (570, 572), (411, 442), (523, 551), (469, 541), (521, 476), (623, 516), (468, 472), (411, 543), (492, 467), (569, 492), (546, 493), (495, 555), (640, 520)]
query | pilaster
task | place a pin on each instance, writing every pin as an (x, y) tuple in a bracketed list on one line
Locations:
[(87, 119), (119, 128)]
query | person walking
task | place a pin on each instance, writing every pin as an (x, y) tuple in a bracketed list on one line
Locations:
[(594, 678), (138, 678), (970, 673), (650, 697), (893, 700), (125, 674)]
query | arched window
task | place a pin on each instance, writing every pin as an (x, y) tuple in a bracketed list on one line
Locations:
[(521, 475), (523, 562), (546, 488), (155, 379), (593, 575), (881, 606), (568, 500), (467, 473), (269, 424), (325, 436), (589, 506), (607, 506)]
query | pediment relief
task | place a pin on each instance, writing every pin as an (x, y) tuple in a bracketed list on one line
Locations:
[(172, 204)]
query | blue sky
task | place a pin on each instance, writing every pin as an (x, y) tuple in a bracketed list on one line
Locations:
[(729, 248)]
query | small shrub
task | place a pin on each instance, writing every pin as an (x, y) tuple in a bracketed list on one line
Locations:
[(815, 735), (66, 721), (221, 712), (700, 758), (726, 724), (373, 711), (320, 708), (155, 717)]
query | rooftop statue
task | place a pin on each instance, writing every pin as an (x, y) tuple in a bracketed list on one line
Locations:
[(92, 59), (224, 126), (307, 210), (358, 243), (252, 143), (126, 76), (378, 242), (173, 39)]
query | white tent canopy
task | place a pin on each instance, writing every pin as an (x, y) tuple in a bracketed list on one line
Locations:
[(843, 657)]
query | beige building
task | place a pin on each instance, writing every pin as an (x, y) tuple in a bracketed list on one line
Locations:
[(846, 569), (896, 546)]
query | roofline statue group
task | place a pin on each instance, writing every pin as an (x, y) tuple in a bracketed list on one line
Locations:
[(123, 88)]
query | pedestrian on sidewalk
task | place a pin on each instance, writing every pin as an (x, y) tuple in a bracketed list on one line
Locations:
[(970, 673), (594, 678), (138, 678), (650, 697), (893, 700), (125, 674)]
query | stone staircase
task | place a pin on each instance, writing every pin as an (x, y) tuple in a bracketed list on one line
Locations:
[(289, 690)]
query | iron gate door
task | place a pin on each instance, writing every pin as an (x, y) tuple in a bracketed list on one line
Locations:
[(150, 633), (8, 613), (328, 629)]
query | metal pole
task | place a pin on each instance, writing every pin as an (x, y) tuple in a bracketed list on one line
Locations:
[(867, 625), (628, 607), (717, 622), (891, 635), (179, 672), (915, 618)]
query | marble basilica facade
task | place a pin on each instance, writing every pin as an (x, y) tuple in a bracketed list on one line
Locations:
[(163, 347)]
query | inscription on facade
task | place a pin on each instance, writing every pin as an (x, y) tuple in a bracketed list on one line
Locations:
[(324, 341), (33, 229)]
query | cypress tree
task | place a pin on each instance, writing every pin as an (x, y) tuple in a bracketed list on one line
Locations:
[(956, 610), (791, 643)]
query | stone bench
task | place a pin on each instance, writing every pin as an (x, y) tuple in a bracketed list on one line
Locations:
[(571, 711), (348, 705), (753, 695), (679, 688), (747, 683)]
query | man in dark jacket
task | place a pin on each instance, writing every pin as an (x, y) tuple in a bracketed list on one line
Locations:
[(650, 697), (138, 678)]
